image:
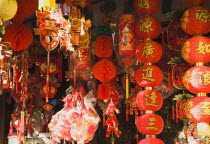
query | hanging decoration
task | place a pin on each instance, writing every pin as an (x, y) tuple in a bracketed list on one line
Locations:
[(8, 9)]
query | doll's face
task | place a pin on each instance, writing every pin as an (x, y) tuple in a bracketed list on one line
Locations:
[(126, 29)]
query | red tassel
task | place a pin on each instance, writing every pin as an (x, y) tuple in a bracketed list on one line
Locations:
[(137, 138), (30, 112), (127, 112), (17, 76), (59, 63), (10, 129), (169, 83), (104, 118), (173, 113), (48, 77), (46, 126), (21, 128)]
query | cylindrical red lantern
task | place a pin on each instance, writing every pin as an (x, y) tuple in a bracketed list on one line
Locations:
[(82, 60), (149, 100), (148, 51), (149, 124), (19, 35), (147, 27), (191, 2), (149, 76), (151, 141), (104, 70), (196, 79), (144, 7), (198, 109), (126, 34), (195, 20), (181, 107), (196, 49)]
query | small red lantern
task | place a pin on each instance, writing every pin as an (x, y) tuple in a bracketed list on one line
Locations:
[(82, 59), (191, 2), (147, 27), (181, 107), (144, 7), (149, 76), (196, 49), (148, 51), (149, 100), (149, 124), (196, 79), (198, 109), (151, 141), (104, 70), (196, 20), (104, 91)]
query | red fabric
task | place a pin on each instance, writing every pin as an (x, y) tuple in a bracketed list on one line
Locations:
[(191, 2), (181, 109), (151, 141), (104, 46), (104, 91), (144, 7)]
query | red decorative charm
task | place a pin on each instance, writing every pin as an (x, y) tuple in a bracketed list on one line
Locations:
[(151, 141), (181, 107), (191, 2), (196, 21), (196, 79), (198, 109), (148, 51), (147, 27), (149, 124), (196, 49), (52, 67), (149, 76), (144, 7), (149, 100)]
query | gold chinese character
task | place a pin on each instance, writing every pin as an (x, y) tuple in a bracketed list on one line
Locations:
[(186, 50), (203, 48), (148, 74), (202, 15), (146, 25), (185, 19), (148, 50), (187, 79), (204, 78), (205, 108), (151, 99), (151, 124), (143, 4)]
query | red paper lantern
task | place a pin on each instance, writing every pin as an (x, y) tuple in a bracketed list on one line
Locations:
[(148, 51), (143, 7), (19, 35), (149, 76), (149, 100), (104, 46), (181, 107), (25, 9), (196, 49), (104, 91), (196, 79), (147, 27), (198, 109), (196, 20), (191, 2), (104, 70), (151, 141), (149, 124), (82, 60)]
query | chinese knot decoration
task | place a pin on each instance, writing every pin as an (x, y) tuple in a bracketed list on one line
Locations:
[(148, 76)]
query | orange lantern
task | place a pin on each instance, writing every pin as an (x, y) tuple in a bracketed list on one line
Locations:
[(104, 91), (196, 79), (149, 76), (126, 34), (144, 7), (148, 51), (147, 27), (198, 109), (195, 20), (19, 35), (149, 100), (104, 70), (151, 141), (181, 107), (196, 49), (191, 2), (149, 124)]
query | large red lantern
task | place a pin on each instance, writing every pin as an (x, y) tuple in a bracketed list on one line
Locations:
[(151, 141), (181, 107), (104, 70), (149, 124), (191, 2), (19, 35), (197, 49), (149, 100), (148, 51), (149, 76), (198, 109), (144, 7), (147, 27), (196, 20), (197, 79)]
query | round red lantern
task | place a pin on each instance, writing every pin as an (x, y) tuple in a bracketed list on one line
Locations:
[(181, 107), (196, 49), (19, 35), (196, 79), (149, 124), (25, 9), (151, 141), (104, 91), (149, 100), (148, 51), (149, 76), (191, 2), (198, 109), (143, 7), (104, 70), (147, 27), (195, 20)]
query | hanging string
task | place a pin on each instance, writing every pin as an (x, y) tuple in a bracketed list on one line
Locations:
[(48, 77)]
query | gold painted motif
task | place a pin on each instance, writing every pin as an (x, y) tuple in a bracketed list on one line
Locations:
[(148, 50), (203, 48), (146, 25), (151, 124), (204, 78), (202, 15), (151, 99), (205, 108), (143, 4), (147, 74)]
